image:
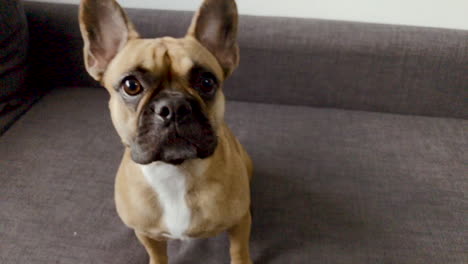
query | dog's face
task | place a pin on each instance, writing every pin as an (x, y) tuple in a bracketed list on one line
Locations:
[(166, 101), (166, 98)]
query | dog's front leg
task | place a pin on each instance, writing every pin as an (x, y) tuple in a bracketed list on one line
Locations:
[(239, 236), (157, 250)]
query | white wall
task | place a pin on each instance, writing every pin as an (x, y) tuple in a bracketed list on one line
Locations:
[(431, 13)]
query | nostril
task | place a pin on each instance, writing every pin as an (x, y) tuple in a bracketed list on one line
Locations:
[(184, 110), (164, 112)]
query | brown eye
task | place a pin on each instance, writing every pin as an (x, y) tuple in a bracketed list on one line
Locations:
[(206, 83), (132, 86)]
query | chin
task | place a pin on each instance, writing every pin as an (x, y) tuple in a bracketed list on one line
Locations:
[(175, 153)]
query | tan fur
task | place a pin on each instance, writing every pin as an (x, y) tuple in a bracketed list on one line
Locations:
[(148, 54), (218, 189), (218, 192)]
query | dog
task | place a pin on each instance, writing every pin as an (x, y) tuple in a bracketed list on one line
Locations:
[(183, 173)]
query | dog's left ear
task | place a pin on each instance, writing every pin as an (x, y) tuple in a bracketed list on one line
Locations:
[(215, 27), (105, 29)]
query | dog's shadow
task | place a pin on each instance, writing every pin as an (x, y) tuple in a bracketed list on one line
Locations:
[(298, 215), (291, 215)]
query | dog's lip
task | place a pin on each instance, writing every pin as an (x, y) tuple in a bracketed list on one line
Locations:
[(189, 140), (176, 161), (175, 136)]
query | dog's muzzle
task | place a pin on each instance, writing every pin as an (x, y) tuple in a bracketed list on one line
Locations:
[(173, 128)]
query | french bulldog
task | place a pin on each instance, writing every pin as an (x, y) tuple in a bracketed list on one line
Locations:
[(183, 173)]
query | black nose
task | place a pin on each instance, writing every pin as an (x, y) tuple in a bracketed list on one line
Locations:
[(172, 109)]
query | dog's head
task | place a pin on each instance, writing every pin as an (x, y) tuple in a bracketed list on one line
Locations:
[(166, 100)]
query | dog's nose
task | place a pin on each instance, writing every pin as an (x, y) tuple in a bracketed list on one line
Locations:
[(172, 109)]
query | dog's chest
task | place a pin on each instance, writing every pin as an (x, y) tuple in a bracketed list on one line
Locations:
[(170, 185)]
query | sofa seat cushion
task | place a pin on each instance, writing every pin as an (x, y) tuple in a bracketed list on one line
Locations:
[(330, 186)]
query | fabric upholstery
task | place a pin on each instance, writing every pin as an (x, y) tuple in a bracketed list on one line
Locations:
[(330, 186), (385, 68), (13, 66), (13, 47)]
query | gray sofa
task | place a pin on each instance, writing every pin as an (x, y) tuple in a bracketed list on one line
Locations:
[(358, 133)]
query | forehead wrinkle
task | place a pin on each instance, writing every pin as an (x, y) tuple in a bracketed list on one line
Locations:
[(158, 57), (181, 62), (168, 66)]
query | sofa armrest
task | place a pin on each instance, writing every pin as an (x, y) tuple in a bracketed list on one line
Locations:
[(55, 50), (14, 96)]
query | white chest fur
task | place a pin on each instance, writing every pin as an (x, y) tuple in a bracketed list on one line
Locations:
[(169, 183)]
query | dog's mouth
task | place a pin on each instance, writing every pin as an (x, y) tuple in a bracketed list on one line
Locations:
[(175, 143), (173, 128)]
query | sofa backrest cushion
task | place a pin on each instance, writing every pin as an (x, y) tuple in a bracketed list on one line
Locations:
[(320, 63)]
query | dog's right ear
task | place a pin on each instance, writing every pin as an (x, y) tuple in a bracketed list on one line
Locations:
[(105, 29)]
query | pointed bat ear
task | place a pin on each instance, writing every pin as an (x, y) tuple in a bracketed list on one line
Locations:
[(215, 27), (105, 29)]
